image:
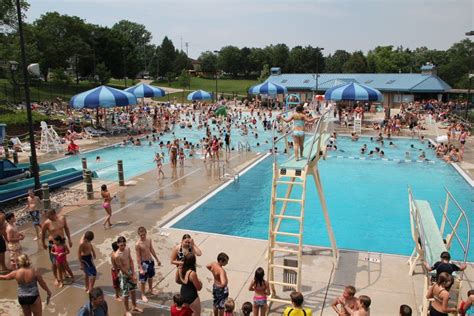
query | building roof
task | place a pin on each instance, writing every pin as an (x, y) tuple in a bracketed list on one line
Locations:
[(399, 82)]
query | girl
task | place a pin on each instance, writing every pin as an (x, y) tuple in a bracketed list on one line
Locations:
[(262, 289), (440, 293), (246, 308), (106, 205), (215, 148), (159, 164), (60, 251), (190, 284), (181, 157), (299, 119), (229, 307)]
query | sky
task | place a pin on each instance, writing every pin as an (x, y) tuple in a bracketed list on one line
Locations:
[(332, 24)]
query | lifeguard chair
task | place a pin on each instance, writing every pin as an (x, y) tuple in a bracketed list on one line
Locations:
[(431, 240), (287, 211), (50, 140)]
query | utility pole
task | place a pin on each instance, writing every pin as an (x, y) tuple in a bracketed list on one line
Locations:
[(186, 44), (181, 38)]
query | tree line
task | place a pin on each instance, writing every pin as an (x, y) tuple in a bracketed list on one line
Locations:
[(60, 42)]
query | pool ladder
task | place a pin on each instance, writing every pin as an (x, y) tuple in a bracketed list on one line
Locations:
[(228, 173), (244, 146)]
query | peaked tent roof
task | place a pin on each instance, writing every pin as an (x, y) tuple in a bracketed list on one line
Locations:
[(383, 82)]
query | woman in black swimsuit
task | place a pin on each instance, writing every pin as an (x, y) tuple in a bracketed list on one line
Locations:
[(28, 293), (186, 246), (190, 283), (440, 293)]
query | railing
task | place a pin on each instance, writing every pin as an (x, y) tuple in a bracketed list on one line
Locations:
[(244, 146), (227, 173)]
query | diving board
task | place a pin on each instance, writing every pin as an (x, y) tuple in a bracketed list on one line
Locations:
[(430, 239), (285, 236)]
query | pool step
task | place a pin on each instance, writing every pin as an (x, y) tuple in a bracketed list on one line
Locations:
[(288, 182), (284, 250), (283, 284), (297, 218), (279, 300), (284, 267), (278, 199), (286, 234)]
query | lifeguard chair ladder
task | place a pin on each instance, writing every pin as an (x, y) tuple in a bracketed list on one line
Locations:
[(358, 124), (431, 240), (292, 175)]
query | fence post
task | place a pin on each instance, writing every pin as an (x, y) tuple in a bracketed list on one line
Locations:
[(89, 188), (120, 173), (84, 166), (46, 201)]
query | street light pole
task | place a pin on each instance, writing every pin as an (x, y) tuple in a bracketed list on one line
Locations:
[(34, 162)]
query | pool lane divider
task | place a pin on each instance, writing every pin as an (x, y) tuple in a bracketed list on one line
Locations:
[(383, 159), (191, 208)]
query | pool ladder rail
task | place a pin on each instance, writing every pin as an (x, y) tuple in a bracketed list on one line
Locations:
[(292, 174), (226, 173), (244, 146)]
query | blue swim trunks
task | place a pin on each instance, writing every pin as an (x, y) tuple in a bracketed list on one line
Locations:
[(149, 267), (89, 267)]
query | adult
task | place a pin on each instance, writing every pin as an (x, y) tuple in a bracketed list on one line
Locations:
[(28, 293), (190, 284), (3, 245), (145, 254), (97, 306), (173, 153), (299, 119), (106, 205), (33, 205), (54, 226), (440, 293), (13, 237), (186, 246)]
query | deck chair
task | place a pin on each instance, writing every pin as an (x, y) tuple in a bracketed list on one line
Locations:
[(94, 132), (17, 143)]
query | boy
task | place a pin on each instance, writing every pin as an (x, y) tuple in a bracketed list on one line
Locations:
[(13, 238), (86, 256), (444, 265), (33, 206), (405, 310), (297, 309), (144, 250), (177, 309), (220, 291), (347, 299), (126, 273), (114, 270), (364, 307)]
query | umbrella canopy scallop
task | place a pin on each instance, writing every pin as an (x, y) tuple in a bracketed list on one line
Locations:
[(143, 90), (268, 88), (353, 92), (199, 95), (102, 97)]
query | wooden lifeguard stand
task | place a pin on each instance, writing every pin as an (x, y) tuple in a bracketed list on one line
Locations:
[(431, 240), (287, 212)]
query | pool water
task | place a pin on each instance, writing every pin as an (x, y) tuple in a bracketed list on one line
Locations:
[(139, 159), (367, 200)]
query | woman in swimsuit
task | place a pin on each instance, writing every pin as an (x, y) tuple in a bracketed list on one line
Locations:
[(28, 293), (190, 284), (180, 251), (262, 289), (106, 205), (440, 293), (299, 119), (174, 153)]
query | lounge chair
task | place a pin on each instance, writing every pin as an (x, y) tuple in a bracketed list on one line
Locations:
[(94, 132), (18, 144)]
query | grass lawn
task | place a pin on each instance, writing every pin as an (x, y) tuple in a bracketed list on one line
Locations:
[(226, 86)]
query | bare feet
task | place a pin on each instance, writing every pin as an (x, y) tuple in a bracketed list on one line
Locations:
[(144, 299), (136, 309), (118, 299), (56, 282), (61, 285)]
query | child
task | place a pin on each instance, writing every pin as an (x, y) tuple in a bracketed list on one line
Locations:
[(297, 308), (114, 270), (247, 308), (262, 289), (229, 307), (60, 251), (346, 300), (405, 310), (159, 164), (177, 309), (364, 307), (467, 307), (181, 157), (86, 254), (444, 265)]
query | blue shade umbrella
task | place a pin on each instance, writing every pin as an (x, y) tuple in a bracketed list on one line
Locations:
[(102, 97), (143, 90), (268, 88), (199, 95), (353, 92)]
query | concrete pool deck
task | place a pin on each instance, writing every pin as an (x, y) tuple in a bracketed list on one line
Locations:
[(150, 202)]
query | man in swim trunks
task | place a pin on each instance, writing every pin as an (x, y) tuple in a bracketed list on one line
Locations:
[(55, 225), (220, 291), (3, 245), (144, 250), (127, 279), (34, 207), (13, 237), (85, 255)]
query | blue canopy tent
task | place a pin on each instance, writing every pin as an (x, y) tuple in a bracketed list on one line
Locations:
[(199, 95), (353, 92), (143, 90), (268, 88)]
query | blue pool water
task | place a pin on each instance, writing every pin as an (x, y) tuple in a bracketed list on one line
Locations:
[(367, 200), (139, 159)]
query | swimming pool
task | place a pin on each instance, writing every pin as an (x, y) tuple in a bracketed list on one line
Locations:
[(367, 199), (139, 159)]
